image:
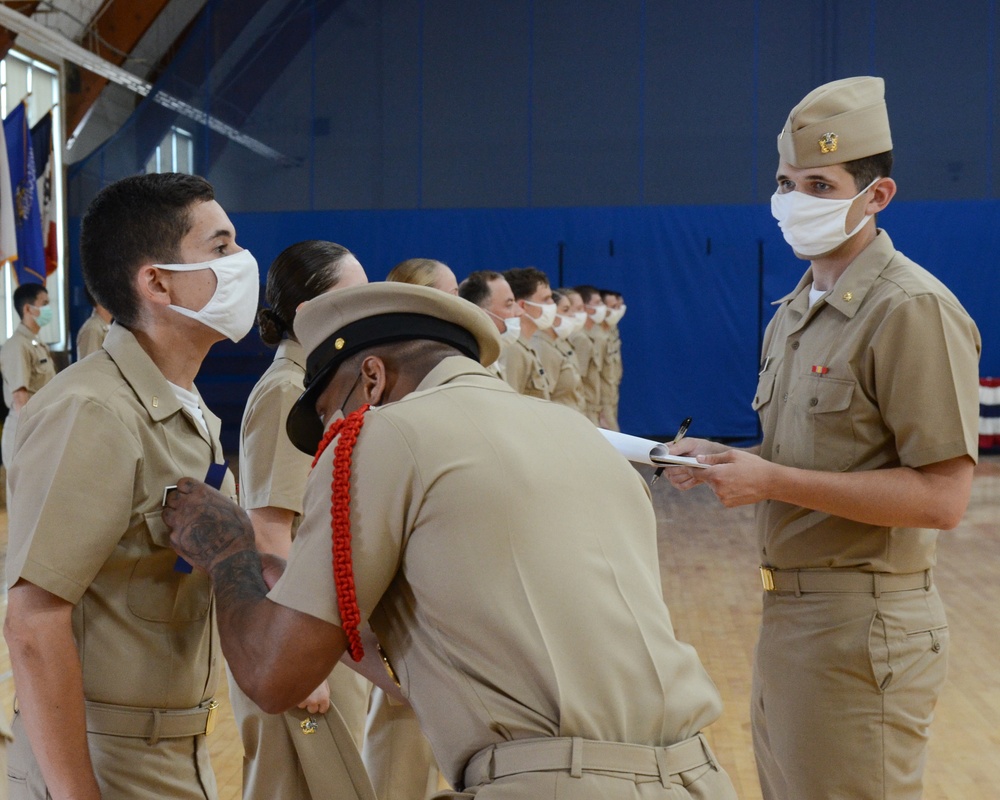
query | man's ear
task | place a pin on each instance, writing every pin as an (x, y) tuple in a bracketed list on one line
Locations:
[(153, 284), (374, 380), (883, 192)]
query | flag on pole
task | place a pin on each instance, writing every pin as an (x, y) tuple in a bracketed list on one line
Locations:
[(30, 264), (42, 144), (8, 228)]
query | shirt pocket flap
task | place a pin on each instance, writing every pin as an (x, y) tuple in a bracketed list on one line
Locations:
[(765, 387), (159, 531), (827, 396)]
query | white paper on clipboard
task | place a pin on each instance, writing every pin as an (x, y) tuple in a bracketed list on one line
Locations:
[(646, 451)]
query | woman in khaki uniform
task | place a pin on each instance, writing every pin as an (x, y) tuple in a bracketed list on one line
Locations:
[(296, 754), (535, 647), (565, 384)]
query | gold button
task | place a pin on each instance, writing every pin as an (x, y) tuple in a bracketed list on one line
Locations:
[(848, 296), (339, 344)]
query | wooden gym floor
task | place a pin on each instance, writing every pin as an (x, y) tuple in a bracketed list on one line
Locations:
[(711, 584)]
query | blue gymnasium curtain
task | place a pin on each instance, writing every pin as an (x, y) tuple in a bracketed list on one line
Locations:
[(30, 264)]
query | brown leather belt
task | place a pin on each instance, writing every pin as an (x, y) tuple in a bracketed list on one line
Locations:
[(805, 581), (576, 756), (151, 724)]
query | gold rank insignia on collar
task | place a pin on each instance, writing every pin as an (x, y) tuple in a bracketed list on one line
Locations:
[(828, 143), (848, 297)]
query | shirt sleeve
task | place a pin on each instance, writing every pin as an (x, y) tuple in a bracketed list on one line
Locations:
[(926, 361), (516, 367), (17, 364), (386, 494), (273, 471), (63, 521)]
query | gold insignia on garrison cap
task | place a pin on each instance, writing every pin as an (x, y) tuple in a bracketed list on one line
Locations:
[(339, 344), (828, 144)]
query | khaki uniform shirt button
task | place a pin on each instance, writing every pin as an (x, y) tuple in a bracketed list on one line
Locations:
[(813, 401), (795, 345)]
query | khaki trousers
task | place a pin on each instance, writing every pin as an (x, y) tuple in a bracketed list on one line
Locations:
[(844, 689), (397, 754), (126, 768), (282, 761)]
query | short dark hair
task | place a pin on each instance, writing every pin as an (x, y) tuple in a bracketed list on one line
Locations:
[(25, 295), (867, 169), (586, 292), (301, 272), (524, 281), (134, 221), (476, 288)]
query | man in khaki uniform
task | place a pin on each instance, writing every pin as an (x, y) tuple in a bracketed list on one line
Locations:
[(92, 333), (611, 373), (592, 329), (868, 398), (25, 360), (490, 291), (535, 647), (520, 364), (113, 641)]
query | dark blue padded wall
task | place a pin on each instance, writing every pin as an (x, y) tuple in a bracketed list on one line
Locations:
[(486, 134)]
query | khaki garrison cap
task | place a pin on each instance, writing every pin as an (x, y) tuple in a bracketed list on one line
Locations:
[(338, 324), (835, 123)]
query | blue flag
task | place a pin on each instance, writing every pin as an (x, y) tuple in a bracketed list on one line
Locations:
[(30, 264)]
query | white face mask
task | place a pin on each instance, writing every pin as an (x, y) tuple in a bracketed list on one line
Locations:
[(814, 226), (600, 314), (232, 308), (567, 326), (615, 315), (513, 328), (544, 320), (582, 317)]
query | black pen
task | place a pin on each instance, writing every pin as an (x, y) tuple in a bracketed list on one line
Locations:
[(683, 429)]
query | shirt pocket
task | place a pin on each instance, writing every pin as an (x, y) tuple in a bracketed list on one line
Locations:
[(826, 439), (159, 593), (765, 388)]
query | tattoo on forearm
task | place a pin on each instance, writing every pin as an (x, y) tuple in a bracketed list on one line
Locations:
[(238, 580)]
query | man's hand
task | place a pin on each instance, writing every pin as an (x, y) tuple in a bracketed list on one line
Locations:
[(685, 478), (318, 702), (206, 526), (737, 477)]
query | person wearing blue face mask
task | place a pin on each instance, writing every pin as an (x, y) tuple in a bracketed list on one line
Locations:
[(25, 360)]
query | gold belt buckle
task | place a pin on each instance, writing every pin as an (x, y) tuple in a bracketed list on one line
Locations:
[(213, 714), (767, 578)]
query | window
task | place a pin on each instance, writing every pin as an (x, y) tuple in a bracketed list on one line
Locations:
[(174, 154), (23, 77)]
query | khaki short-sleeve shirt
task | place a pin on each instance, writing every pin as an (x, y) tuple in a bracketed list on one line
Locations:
[(272, 470), (504, 614), (521, 368), (592, 385), (881, 372), (91, 336), (25, 362), (95, 449), (565, 384)]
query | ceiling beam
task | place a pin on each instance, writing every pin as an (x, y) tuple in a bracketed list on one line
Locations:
[(113, 35), (70, 51), (7, 36)]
